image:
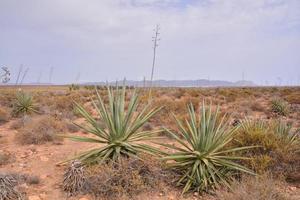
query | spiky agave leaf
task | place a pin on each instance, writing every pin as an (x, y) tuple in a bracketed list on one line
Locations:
[(121, 133), (201, 152)]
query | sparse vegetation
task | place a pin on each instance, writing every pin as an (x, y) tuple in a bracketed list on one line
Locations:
[(4, 115), (260, 188), (5, 158), (136, 176), (40, 130)]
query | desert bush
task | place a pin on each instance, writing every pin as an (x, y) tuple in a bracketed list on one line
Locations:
[(293, 98), (23, 104), (280, 107), (114, 180), (121, 134), (259, 188), (127, 178), (277, 146), (74, 87), (202, 156), (75, 179), (41, 130), (5, 158), (256, 106), (71, 127), (4, 115)]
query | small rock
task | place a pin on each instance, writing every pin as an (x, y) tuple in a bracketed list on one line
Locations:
[(292, 188), (84, 198), (44, 158), (196, 194), (34, 197), (23, 156)]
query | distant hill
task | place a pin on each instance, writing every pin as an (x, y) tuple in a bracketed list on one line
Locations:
[(179, 83)]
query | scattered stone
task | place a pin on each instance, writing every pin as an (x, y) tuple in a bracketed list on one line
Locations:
[(44, 158), (34, 197), (292, 188), (84, 198)]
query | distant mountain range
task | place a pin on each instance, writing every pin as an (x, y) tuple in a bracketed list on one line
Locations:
[(162, 83), (178, 83)]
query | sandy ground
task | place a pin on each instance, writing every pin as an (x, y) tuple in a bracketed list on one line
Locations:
[(41, 160)]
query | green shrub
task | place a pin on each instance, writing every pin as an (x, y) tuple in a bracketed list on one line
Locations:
[(278, 149), (280, 107), (203, 156)]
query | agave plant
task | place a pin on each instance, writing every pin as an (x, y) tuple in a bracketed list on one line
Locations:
[(280, 107), (284, 132), (119, 132), (24, 104), (202, 153)]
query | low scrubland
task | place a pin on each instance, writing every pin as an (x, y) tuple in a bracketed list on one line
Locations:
[(206, 143)]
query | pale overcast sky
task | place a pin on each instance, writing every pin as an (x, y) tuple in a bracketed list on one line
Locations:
[(111, 39)]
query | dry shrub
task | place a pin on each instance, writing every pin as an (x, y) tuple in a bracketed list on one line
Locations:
[(40, 130), (7, 97), (129, 178), (4, 115), (21, 122), (293, 98), (113, 181), (71, 127), (74, 179), (8, 188), (6, 158), (259, 188), (256, 106)]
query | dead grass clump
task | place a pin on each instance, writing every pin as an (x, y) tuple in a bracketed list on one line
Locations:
[(4, 115), (41, 130), (74, 179), (129, 178), (6, 158), (110, 180), (259, 188), (293, 98), (8, 188)]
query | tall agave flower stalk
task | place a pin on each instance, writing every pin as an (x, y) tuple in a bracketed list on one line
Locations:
[(120, 132), (203, 154)]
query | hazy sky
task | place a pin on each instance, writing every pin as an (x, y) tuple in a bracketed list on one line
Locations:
[(111, 39)]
